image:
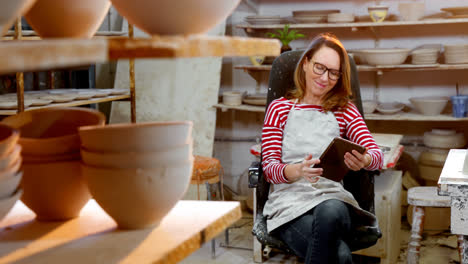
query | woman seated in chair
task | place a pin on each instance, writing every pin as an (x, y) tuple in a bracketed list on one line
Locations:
[(313, 215)]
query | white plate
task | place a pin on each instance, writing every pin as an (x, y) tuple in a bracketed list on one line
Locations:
[(389, 108), (38, 102), (59, 98)]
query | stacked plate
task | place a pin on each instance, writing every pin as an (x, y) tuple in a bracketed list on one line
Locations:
[(425, 55), (137, 172), (340, 18), (259, 99), (456, 53), (263, 20), (10, 163), (313, 16)]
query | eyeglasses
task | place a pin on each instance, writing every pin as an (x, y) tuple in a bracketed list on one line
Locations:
[(320, 69)]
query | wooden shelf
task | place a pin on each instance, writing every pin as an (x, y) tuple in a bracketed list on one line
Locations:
[(243, 107), (94, 238), (20, 56), (72, 103), (412, 116), (251, 28), (32, 33), (253, 67)]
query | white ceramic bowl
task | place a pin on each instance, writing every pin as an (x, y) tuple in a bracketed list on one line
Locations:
[(67, 18), (429, 105), (139, 137), (9, 159), (434, 140), (181, 17), (385, 56), (11, 170), (8, 203), (369, 106), (9, 185), (389, 108), (10, 10), (142, 160), (232, 98), (138, 198)]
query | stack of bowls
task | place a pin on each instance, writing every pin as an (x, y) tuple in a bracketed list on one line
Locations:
[(137, 172), (456, 53), (313, 16), (53, 184), (10, 162), (425, 56)]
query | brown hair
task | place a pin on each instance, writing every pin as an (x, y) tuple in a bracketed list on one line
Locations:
[(341, 92)]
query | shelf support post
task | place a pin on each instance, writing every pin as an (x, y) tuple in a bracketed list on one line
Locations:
[(132, 80), (19, 75)]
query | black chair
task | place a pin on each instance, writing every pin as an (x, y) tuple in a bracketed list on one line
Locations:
[(280, 81)]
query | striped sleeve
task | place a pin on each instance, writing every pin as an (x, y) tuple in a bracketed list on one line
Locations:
[(356, 130), (272, 138)]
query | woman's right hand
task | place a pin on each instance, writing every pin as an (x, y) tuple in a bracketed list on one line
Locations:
[(295, 171)]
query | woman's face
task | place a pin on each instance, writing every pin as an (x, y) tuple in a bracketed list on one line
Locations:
[(326, 61)]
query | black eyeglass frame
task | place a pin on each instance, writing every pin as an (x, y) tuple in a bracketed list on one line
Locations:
[(335, 72)]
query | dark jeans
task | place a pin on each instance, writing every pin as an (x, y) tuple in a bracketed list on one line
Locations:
[(319, 235)]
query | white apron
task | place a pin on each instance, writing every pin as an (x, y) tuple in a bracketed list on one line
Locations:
[(306, 132)]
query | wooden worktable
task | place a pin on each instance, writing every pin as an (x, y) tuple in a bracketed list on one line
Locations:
[(93, 237)]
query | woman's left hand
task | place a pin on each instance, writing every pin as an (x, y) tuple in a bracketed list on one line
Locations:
[(356, 160)]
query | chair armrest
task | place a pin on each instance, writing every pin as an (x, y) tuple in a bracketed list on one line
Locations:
[(255, 171)]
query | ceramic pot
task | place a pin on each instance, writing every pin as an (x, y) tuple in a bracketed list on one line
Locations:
[(8, 138), (139, 137), (142, 160), (55, 191), (430, 105), (181, 17), (138, 198), (10, 11), (53, 131), (67, 18)]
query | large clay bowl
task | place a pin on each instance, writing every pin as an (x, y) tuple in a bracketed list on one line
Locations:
[(53, 131), (9, 185), (143, 160), (138, 198), (8, 138), (181, 17), (7, 203), (9, 159), (67, 18), (140, 137), (55, 191), (10, 10)]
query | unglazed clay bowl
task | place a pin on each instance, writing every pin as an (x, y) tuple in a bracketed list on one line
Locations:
[(53, 131), (181, 17), (429, 105), (8, 138), (54, 191), (138, 198), (142, 160), (67, 18), (139, 137), (7, 203), (9, 185), (10, 10)]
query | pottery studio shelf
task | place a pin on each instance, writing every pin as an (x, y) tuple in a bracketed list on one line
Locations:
[(20, 56), (242, 107), (31, 34)]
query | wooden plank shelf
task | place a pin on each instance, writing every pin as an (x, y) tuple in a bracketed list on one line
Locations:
[(93, 237), (440, 21), (20, 56), (412, 116), (369, 68), (253, 67), (243, 107)]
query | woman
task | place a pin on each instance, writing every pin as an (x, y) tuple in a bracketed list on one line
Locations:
[(311, 214)]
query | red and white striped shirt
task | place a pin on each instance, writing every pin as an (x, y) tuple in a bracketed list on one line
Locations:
[(350, 121)]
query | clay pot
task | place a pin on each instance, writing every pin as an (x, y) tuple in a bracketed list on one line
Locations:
[(8, 138), (9, 185), (67, 18), (143, 160), (53, 131), (140, 137), (138, 198), (181, 17), (7, 203), (9, 159), (55, 191), (10, 11)]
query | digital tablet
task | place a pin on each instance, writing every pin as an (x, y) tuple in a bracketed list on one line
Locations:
[(332, 159)]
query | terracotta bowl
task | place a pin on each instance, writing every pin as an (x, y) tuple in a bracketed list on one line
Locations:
[(8, 138), (181, 17), (67, 18), (11, 170), (9, 185), (8, 203), (53, 131), (140, 137), (9, 159), (142, 160), (55, 191), (138, 198), (10, 11)]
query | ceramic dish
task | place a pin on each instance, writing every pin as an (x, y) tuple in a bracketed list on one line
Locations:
[(390, 108), (83, 95), (116, 91), (429, 105), (369, 106), (12, 105), (255, 99), (436, 140), (38, 102), (99, 93), (59, 98)]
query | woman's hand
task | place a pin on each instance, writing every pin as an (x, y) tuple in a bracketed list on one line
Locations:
[(303, 169), (356, 160)]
